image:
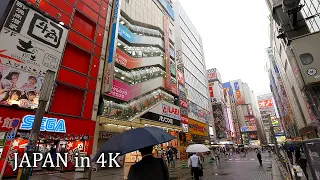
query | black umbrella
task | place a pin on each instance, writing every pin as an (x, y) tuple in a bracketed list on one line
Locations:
[(133, 140)]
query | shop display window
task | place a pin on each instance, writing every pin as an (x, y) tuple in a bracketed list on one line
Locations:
[(48, 143)]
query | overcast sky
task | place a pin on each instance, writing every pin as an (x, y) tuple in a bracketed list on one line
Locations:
[(235, 35)]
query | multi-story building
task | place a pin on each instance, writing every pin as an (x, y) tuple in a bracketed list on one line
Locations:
[(218, 103), (140, 85), (191, 65), (247, 113), (294, 32), (270, 117), (228, 90), (68, 38)]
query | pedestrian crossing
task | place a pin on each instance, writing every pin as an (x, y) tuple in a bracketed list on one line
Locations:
[(246, 159)]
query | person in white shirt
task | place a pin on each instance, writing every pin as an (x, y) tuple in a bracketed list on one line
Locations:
[(194, 162)]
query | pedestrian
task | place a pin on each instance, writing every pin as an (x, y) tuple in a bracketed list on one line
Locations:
[(259, 156), (290, 156), (194, 162), (149, 167), (217, 156), (170, 156), (302, 162)]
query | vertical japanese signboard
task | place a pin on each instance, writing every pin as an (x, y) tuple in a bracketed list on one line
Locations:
[(30, 45), (170, 85), (113, 37)]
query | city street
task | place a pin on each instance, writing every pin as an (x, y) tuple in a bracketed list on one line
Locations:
[(235, 167)]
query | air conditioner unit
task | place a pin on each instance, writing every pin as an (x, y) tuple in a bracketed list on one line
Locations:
[(290, 5), (306, 49)]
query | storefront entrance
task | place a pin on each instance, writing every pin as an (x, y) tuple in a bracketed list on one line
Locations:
[(58, 135)]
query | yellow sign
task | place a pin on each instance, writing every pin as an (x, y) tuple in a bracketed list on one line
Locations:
[(188, 137), (197, 128)]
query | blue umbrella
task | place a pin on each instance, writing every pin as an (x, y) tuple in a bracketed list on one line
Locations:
[(133, 140)]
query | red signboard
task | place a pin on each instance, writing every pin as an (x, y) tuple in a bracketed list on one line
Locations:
[(265, 103), (211, 92), (183, 104), (180, 77), (212, 75), (184, 119)]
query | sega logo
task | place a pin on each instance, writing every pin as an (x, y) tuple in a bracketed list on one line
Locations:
[(47, 124)]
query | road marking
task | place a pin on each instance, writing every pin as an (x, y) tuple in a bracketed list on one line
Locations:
[(252, 159), (230, 159), (237, 159)]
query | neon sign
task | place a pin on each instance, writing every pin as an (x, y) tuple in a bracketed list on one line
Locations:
[(47, 124)]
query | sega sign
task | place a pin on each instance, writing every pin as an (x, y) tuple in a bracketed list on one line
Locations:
[(170, 111), (47, 124)]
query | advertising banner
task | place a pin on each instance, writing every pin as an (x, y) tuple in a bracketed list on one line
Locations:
[(184, 119), (30, 45), (184, 123), (236, 86), (167, 7), (113, 37), (126, 92), (183, 103), (248, 128), (167, 109), (211, 91), (170, 85), (239, 98), (212, 75), (180, 77), (266, 103), (228, 88), (130, 63), (197, 128)]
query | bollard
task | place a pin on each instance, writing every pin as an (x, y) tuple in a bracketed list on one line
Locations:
[(183, 165)]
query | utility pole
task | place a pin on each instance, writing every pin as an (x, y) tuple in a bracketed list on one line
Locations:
[(273, 137), (25, 172)]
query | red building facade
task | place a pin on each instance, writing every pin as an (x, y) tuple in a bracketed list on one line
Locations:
[(73, 95)]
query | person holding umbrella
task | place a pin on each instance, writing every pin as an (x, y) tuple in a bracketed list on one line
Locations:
[(149, 167), (126, 142), (195, 161)]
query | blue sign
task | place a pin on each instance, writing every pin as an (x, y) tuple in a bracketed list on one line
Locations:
[(276, 70), (236, 86), (114, 29), (229, 88), (126, 34), (47, 124), (11, 135), (167, 7)]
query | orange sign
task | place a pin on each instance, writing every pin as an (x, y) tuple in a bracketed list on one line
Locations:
[(265, 103), (188, 137), (197, 128)]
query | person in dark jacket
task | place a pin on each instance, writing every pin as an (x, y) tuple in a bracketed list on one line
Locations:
[(149, 167), (259, 156)]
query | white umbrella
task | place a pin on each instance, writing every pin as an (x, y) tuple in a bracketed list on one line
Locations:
[(197, 148)]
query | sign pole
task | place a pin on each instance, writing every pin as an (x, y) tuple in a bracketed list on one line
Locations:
[(43, 99)]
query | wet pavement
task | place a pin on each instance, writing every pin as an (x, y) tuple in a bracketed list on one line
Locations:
[(231, 168)]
